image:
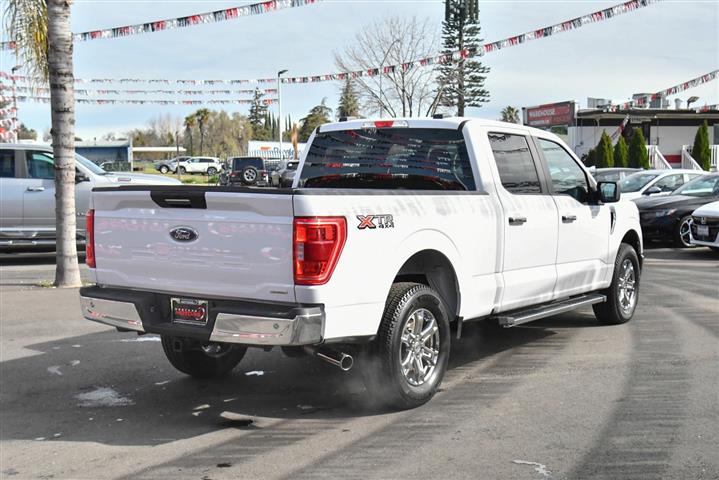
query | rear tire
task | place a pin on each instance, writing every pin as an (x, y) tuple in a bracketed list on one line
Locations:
[(408, 359), (199, 364), (623, 293), (211, 171)]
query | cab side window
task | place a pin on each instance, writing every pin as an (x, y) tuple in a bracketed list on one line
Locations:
[(670, 182), (40, 165), (7, 163), (568, 178), (517, 170)]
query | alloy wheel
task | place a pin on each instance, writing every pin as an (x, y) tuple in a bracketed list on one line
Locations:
[(419, 351)]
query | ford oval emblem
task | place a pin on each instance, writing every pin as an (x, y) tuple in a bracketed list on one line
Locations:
[(184, 234)]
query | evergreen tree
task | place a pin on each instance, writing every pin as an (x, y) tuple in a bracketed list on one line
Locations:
[(638, 155), (349, 103), (621, 153), (461, 77), (604, 152), (319, 115), (701, 151), (258, 111), (590, 160)]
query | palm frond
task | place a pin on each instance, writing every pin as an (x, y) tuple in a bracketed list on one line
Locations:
[(26, 22)]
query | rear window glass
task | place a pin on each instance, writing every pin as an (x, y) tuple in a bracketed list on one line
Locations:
[(240, 163), (406, 158), (514, 162)]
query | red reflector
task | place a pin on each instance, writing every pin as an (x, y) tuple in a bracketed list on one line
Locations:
[(384, 123), (318, 243), (90, 238)]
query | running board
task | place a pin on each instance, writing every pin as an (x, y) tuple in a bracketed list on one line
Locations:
[(531, 314)]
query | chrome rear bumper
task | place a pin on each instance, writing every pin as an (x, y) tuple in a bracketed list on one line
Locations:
[(228, 322)]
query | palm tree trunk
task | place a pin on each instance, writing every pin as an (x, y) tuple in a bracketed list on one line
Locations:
[(62, 102)]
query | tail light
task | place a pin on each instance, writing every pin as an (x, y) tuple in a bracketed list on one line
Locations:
[(90, 239), (318, 243)]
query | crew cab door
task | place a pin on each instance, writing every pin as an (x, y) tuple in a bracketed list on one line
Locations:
[(584, 229), (38, 204), (529, 222)]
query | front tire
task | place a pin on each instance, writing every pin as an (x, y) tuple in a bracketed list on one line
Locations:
[(623, 293), (183, 170), (164, 169), (682, 231), (206, 361), (408, 359)]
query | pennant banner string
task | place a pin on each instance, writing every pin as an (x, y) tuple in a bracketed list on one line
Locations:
[(113, 101), (641, 101), (45, 90), (548, 31), (180, 22)]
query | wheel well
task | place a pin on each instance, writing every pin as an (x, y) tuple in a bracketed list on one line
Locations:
[(433, 269), (632, 238)]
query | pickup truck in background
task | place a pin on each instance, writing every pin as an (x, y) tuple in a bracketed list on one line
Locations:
[(394, 234)]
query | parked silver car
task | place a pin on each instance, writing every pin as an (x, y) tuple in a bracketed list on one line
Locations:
[(27, 193)]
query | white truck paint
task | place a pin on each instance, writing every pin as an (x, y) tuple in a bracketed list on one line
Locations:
[(485, 252)]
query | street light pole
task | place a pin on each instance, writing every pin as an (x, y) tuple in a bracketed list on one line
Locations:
[(279, 108), (14, 101)]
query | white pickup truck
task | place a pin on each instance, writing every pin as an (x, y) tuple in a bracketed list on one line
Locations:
[(394, 233)]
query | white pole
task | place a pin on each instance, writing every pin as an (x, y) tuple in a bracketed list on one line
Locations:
[(279, 108)]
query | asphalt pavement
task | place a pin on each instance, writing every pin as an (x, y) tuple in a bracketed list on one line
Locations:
[(562, 398)]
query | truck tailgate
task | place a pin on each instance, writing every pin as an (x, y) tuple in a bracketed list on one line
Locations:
[(195, 241)]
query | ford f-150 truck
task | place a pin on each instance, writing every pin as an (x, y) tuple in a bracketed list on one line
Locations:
[(394, 233)]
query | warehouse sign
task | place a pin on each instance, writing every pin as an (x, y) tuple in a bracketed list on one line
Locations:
[(549, 115), (272, 149)]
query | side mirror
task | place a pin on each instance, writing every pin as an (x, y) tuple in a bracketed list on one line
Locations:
[(609, 192), (81, 177), (652, 190)]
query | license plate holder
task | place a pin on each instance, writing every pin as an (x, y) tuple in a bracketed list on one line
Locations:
[(189, 311), (702, 230)]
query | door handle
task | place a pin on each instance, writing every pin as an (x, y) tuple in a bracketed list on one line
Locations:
[(517, 220), (35, 189), (568, 218)]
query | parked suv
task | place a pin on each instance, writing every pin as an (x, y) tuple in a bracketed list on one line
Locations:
[(27, 192), (206, 165), (247, 171)]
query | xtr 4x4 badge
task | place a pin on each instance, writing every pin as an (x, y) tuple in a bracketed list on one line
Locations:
[(375, 221)]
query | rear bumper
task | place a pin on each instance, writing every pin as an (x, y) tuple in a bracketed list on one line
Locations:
[(229, 321)]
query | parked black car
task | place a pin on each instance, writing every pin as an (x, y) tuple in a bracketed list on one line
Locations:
[(247, 171), (669, 217)]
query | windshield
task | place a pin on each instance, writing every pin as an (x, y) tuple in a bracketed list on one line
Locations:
[(402, 158), (704, 186), (637, 181), (89, 165)]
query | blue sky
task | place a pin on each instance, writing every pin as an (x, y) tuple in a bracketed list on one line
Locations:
[(645, 51)]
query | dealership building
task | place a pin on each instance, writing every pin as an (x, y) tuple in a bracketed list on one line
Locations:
[(668, 131)]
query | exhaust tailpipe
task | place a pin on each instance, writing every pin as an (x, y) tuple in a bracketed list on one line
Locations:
[(338, 359)]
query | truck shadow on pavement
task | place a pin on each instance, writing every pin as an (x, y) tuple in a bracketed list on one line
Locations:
[(118, 389)]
